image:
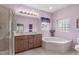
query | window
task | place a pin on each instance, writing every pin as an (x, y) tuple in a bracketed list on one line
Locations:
[(45, 26), (63, 25), (45, 23)]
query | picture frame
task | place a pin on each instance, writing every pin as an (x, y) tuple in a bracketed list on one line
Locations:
[(77, 23), (20, 27)]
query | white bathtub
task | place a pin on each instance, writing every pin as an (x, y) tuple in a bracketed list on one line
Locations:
[(56, 44)]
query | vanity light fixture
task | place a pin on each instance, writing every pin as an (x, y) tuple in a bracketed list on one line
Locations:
[(28, 13)]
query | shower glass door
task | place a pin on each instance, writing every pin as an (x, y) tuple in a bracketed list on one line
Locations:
[(5, 31)]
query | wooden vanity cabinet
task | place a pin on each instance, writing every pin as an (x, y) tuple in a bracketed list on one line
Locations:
[(26, 42)]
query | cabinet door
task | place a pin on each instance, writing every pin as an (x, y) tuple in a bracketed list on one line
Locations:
[(19, 46), (31, 41), (38, 40), (26, 43), (35, 42)]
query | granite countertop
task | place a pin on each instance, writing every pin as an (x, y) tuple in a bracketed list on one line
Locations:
[(26, 33)]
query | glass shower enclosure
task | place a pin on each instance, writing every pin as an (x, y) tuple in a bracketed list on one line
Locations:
[(6, 37)]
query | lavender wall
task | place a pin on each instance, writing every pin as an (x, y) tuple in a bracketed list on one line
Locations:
[(72, 13), (35, 21)]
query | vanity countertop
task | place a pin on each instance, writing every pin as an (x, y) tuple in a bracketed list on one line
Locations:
[(26, 33)]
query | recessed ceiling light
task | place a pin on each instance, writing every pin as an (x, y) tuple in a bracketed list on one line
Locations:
[(50, 8)]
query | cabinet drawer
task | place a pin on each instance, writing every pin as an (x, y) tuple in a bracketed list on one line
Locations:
[(38, 36), (19, 37), (30, 36)]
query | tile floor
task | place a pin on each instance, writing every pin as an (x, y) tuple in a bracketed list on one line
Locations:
[(4, 52), (41, 51)]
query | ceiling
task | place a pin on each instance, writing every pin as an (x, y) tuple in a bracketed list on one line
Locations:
[(45, 7), (48, 7)]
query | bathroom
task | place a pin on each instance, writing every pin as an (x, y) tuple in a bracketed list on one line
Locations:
[(56, 28)]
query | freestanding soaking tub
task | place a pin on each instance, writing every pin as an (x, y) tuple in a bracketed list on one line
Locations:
[(56, 44)]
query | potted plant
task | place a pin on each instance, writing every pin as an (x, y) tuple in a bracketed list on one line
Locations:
[(52, 32)]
